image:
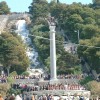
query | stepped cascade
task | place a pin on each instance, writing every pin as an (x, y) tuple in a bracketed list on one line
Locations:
[(30, 50)]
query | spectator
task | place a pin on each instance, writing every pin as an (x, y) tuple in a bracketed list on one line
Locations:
[(44, 97), (12, 97), (33, 98), (18, 97), (1, 98), (81, 98)]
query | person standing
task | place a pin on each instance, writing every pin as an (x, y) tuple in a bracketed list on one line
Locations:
[(12, 97), (18, 97), (33, 97), (81, 98), (1, 98)]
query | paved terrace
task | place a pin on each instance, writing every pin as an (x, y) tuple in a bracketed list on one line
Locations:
[(44, 82)]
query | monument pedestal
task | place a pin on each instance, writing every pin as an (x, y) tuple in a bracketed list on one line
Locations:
[(41, 79), (54, 81)]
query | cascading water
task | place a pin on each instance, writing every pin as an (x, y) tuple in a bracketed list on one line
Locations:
[(30, 51)]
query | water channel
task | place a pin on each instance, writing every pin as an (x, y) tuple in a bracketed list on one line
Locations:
[(30, 50)]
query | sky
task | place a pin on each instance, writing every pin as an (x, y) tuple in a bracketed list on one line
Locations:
[(22, 5)]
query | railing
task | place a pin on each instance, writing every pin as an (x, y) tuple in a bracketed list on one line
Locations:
[(61, 92)]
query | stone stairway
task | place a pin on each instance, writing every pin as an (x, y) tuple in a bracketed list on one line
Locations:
[(45, 82)]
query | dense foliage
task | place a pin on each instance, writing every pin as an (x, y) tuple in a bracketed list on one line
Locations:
[(4, 89), (40, 30), (4, 9), (84, 18), (94, 87), (71, 18), (12, 53)]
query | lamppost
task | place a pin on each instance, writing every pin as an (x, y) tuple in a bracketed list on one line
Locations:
[(78, 35)]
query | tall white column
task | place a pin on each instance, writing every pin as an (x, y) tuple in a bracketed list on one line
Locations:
[(52, 53)]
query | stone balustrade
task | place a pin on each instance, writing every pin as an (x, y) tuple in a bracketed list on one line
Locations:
[(84, 93)]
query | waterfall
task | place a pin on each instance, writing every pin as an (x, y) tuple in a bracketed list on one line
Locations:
[(21, 25), (30, 51)]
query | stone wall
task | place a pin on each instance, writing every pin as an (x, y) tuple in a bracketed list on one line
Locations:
[(8, 22), (3, 22)]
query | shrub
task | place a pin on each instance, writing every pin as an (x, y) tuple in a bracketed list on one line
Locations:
[(77, 70), (86, 80), (4, 88), (13, 91), (94, 87), (66, 71), (14, 73), (25, 73), (10, 80)]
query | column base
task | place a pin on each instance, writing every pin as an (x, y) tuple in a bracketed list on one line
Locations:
[(41, 79), (53, 81)]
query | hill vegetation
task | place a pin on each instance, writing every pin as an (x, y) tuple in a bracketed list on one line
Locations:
[(71, 18), (39, 27), (12, 53)]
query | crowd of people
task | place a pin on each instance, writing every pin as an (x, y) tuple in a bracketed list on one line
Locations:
[(32, 87), (57, 97), (44, 97), (35, 87), (47, 77), (3, 79), (26, 77), (70, 76)]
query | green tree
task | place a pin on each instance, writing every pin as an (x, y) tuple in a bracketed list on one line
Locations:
[(97, 15), (89, 20), (89, 31), (88, 12), (12, 53), (90, 52), (94, 87), (4, 9), (38, 9), (96, 4), (72, 20)]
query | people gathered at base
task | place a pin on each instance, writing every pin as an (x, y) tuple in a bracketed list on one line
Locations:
[(3, 78), (43, 97), (35, 87), (28, 88)]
